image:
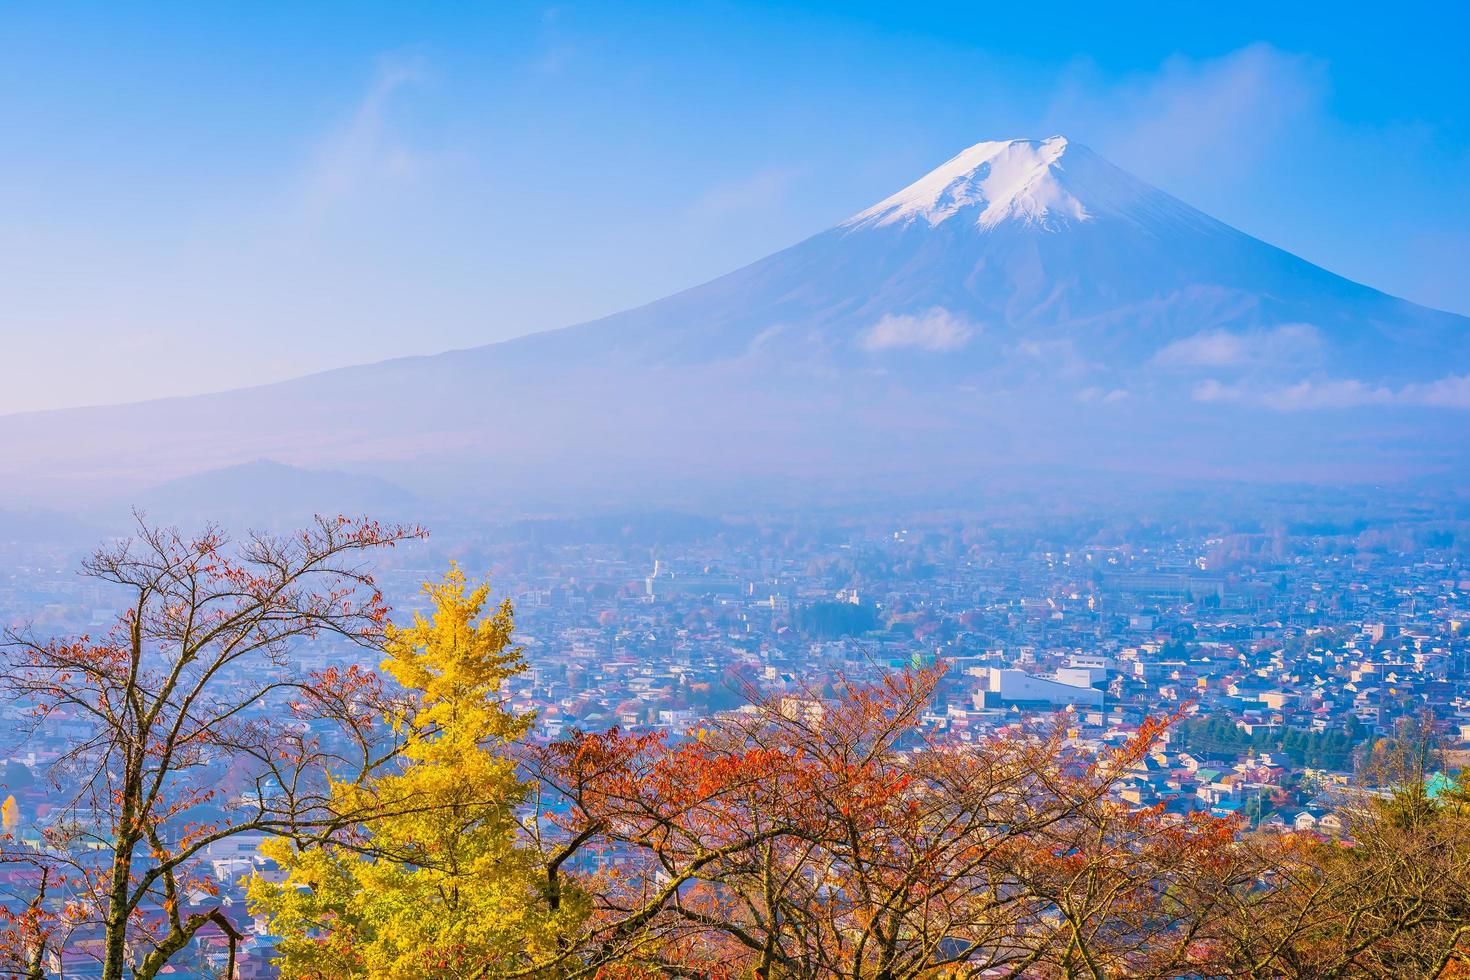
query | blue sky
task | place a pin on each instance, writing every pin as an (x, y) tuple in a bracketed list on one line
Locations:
[(200, 196)]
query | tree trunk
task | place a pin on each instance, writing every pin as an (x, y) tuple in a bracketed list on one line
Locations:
[(36, 965), (114, 958)]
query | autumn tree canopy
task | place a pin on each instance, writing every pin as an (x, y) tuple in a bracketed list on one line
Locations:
[(827, 839)]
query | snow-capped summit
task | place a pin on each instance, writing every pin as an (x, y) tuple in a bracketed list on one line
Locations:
[(1044, 183)]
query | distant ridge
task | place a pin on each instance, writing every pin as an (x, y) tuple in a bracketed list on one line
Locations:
[(264, 493)]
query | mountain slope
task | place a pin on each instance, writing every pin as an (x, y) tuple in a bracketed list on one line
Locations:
[(1021, 243), (1024, 303)]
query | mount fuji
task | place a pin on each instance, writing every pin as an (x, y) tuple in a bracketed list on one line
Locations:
[(1025, 305)]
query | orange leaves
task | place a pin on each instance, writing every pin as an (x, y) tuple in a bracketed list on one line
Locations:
[(1457, 966), (715, 774)]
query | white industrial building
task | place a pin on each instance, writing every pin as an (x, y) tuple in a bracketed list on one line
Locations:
[(1070, 686)]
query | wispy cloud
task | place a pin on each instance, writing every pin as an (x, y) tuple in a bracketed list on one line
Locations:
[(557, 49), (760, 191), (364, 149), (936, 330), (1223, 113)]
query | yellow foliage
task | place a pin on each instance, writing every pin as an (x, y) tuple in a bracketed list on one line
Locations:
[(434, 881), (9, 814)]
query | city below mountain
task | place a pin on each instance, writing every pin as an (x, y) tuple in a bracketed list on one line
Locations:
[(1025, 305)]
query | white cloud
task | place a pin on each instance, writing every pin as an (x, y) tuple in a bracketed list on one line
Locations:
[(936, 330), (1059, 357), (1452, 391), (1289, 343), (1210, 390), (1330, 393), (1102, 396), (1448, 392)]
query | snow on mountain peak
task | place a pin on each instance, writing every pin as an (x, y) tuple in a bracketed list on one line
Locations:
[(1044, 183)]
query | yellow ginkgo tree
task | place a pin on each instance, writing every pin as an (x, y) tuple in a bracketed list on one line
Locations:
[(436, 882)]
